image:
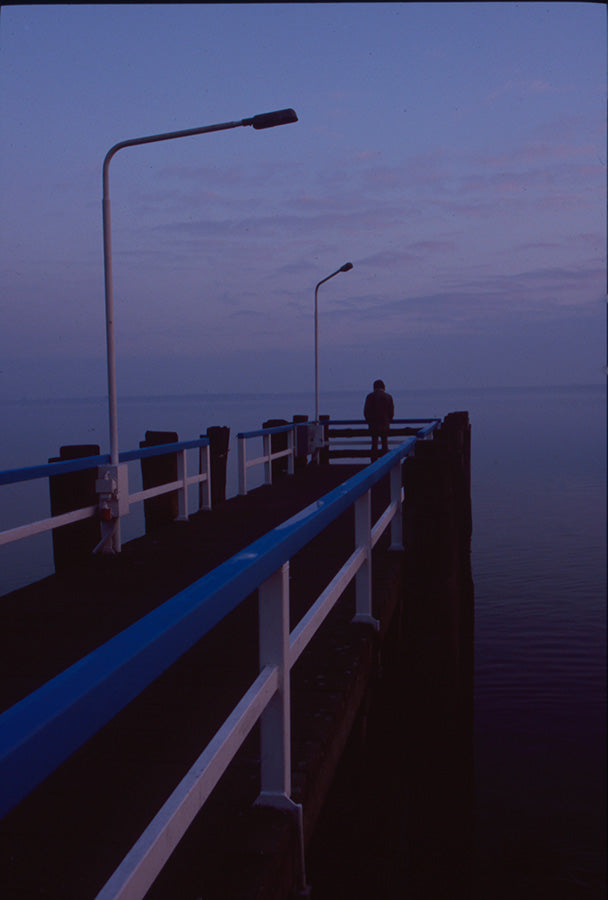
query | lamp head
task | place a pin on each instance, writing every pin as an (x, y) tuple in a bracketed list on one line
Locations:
[(271, 119), (346, 267)]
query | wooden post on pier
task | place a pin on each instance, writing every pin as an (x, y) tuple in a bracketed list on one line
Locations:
[(324, 453), (219, 443), (156, 470), (69, 491), (301, 437), (438, 659)]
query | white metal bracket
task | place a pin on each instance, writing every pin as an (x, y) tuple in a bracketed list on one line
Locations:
[(366, 619), (112, 487)]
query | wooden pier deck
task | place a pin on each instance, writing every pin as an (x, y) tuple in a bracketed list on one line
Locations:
[(381, 720)]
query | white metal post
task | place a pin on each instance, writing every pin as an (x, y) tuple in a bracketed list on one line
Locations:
[(182, 494), (208, 503), (110, 543), (275, 723), (202, 484), (396, 497), (291, 446), (363, 578), (267, 459), (317, 351), (204, 468), (242, 465)]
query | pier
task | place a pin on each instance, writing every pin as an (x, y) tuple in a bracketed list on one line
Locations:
[(355, 652)]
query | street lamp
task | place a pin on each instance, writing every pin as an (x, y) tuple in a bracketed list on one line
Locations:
[(265, 120), (345, 268)]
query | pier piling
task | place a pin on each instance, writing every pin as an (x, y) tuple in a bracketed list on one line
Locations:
[(219, 443), (73, 490), (156, 470), (301, 443), (438, 656)]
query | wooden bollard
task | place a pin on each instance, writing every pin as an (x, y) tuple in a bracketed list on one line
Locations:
[(301, 440), (157, 470), (324, 453), (73, 490), (219, 443)]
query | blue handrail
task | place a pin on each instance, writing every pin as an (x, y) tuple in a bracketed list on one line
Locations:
[(160, 449), (45, 728), (29, 473)]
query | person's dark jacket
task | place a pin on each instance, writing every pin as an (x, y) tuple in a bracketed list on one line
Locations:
[(378, 411)]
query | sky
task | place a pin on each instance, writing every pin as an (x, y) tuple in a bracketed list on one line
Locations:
[(454, 152)]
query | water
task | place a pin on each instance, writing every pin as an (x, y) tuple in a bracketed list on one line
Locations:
[(539, 568), (538, 491)]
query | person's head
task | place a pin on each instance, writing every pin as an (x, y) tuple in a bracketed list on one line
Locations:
[(379, 385)]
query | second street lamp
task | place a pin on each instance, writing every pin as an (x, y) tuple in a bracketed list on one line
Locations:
[(345, 268), (264, 120)]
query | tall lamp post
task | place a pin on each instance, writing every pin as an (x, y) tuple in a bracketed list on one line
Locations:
[(265, 120), (345, 268)]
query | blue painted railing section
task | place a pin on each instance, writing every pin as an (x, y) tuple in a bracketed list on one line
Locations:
[(29, 473), (260, 432)]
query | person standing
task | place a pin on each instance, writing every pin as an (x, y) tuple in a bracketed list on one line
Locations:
[(378, 412)]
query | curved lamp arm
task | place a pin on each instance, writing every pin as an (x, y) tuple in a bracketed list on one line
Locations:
[(345, 268), (264, 120)]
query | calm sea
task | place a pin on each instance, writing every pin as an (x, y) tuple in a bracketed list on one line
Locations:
[(539, 565)]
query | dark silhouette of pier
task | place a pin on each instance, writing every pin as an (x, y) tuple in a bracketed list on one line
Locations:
[(381, 720)]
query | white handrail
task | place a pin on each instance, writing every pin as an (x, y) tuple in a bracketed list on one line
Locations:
[(32, 528), (138, 870)]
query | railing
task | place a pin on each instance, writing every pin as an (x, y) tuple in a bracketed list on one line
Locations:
[(340, 434), (333, 436), (268, 456), (44, 729), (350, 438), (13, 476)]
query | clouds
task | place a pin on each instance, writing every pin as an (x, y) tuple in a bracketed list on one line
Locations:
[(471, 302), (519, 88), (413, 205), (446, 151), (365, 196)]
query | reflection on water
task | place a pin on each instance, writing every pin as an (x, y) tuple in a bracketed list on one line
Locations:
[(538, 489), (539, 562)]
